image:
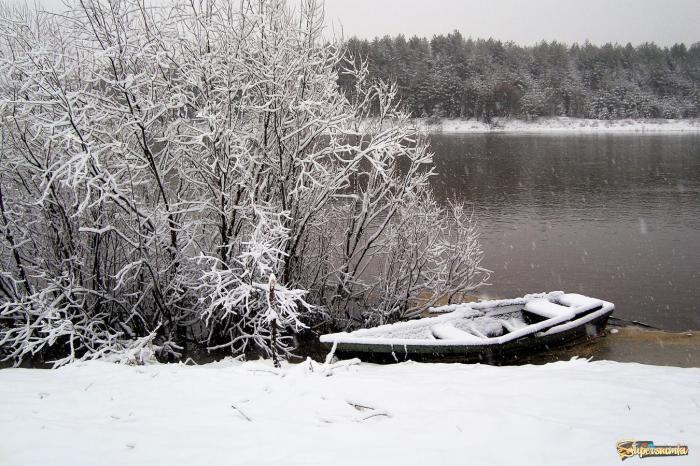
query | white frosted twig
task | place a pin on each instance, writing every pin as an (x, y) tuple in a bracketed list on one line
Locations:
[(241, 412)]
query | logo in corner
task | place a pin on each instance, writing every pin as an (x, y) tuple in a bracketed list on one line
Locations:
[(646, 448)]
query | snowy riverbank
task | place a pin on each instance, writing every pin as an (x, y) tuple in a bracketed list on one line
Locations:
[(244, 413), (558, 125)]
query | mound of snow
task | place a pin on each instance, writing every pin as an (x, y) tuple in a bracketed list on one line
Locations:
[(573, 412)]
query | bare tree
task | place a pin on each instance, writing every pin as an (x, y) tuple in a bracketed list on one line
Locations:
[(159, 163)]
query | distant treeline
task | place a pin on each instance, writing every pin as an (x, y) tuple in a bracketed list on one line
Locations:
[(450, 76)]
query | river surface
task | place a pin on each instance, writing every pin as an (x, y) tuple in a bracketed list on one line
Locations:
[(611, 216)]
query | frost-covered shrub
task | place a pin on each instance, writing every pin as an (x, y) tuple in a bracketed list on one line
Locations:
[(160, 164), (437, 256)]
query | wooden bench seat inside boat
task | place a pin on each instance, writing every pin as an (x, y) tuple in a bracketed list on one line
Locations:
[(449, 332), (578, 300), (547, 309)]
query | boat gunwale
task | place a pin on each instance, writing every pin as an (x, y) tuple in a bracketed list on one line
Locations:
[(463, 351), (541, 329)]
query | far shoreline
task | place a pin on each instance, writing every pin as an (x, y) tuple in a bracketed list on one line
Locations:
[(556, 125)]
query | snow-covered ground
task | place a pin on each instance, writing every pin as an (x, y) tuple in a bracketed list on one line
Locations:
[(558, 125), (565, 413)]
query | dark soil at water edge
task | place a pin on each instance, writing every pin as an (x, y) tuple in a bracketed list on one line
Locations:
[(621, 344), (632, 344), (628, 343)]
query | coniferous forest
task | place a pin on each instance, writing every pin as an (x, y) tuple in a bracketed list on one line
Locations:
[(450, 76)]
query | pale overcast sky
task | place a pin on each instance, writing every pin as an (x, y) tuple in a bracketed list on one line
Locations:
[(523, 21)]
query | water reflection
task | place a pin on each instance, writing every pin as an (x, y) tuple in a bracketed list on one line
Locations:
[(614, 216)]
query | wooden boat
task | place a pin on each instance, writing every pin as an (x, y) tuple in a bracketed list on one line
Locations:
[(489, 331)]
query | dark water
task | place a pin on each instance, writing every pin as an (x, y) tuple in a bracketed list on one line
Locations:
[(612, 216)]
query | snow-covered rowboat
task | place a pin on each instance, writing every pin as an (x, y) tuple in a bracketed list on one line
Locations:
[(488, 331)]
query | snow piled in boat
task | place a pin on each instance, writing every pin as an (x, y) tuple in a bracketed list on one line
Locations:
[(230, 412), (466, 317)]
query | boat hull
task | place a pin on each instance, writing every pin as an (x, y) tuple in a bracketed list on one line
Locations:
[(510, 352)]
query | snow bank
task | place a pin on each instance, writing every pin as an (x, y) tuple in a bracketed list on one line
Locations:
[(558, 125), (572, 412)]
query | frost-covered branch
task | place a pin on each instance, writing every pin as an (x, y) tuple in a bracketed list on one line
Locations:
[(160, 163)]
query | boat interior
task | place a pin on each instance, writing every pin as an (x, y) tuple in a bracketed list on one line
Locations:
[(498, 321), (487, 322)]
